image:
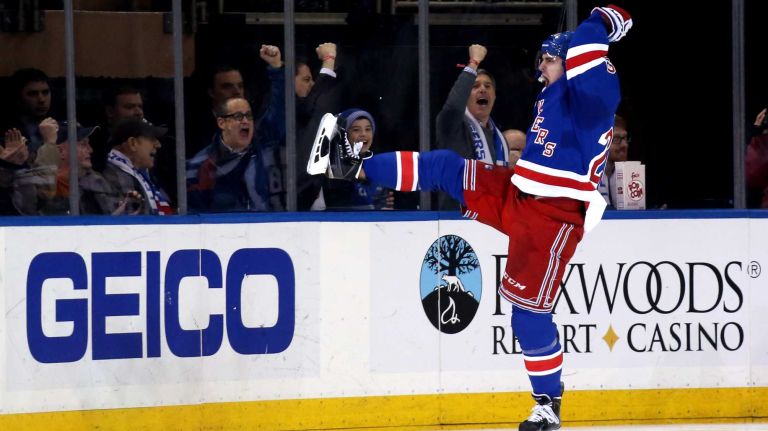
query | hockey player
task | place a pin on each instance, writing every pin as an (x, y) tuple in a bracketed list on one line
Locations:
[(545, 205)]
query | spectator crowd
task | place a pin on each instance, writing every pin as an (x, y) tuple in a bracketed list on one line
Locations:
[(235, 146)]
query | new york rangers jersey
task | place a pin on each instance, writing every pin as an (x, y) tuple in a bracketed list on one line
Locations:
[(567, 144)]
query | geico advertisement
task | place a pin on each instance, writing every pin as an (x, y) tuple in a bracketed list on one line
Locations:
[(663, 298), (115, 307)]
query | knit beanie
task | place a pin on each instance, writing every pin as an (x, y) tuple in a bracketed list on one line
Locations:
[(353, 114)]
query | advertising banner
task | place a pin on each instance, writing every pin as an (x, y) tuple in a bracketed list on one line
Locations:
[(643, 304), (104, 317)]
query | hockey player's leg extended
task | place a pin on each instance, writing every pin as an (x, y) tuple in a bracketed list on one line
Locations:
[(441, 170)]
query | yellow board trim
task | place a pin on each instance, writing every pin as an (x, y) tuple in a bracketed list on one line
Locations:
[(417, 412)]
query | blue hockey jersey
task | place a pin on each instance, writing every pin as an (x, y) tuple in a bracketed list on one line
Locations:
[(567, 144)]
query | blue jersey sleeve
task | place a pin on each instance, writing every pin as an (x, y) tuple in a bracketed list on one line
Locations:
[(593, 86)]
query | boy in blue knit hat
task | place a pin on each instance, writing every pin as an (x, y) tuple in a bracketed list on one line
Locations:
[(363, 195)]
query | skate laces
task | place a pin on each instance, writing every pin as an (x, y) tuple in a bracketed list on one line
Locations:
[(355, 151), (540, 413), (356, 147)]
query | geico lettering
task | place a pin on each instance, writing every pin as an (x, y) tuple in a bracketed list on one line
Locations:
[(186, 342), (107, 265), (687, 337), (47, 348), (68, 348)]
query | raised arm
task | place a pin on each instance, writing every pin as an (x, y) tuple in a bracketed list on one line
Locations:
[(323, 97), (593, 84), (272, 124), (450, 118)]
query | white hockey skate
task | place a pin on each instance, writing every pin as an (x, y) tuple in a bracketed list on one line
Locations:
[(319, 158), (545, 415), (332, 154)]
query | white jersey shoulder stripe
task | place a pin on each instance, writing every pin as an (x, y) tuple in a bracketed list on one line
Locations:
[(578, 70), (587, 47)]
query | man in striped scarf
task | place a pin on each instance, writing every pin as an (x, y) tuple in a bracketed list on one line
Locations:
[(464, 124)]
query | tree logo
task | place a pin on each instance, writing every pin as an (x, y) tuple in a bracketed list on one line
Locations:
[(451, 284)]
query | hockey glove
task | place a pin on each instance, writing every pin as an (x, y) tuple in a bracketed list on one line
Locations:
[(617, 20)]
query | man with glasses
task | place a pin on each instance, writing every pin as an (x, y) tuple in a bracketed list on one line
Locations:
[(617, 153), (229, 174), (240, 169)]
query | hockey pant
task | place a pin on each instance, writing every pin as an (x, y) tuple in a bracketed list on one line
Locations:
[(446, 171)]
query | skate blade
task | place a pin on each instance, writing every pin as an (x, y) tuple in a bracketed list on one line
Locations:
[(319, 159)]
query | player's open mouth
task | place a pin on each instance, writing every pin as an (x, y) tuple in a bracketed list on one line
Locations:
[(482, 101)]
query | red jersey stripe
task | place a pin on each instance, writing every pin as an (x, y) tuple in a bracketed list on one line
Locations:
[(552, 364), (585, 58), (407, 166)]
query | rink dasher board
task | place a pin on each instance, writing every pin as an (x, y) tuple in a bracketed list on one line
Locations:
[(359, 336)]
